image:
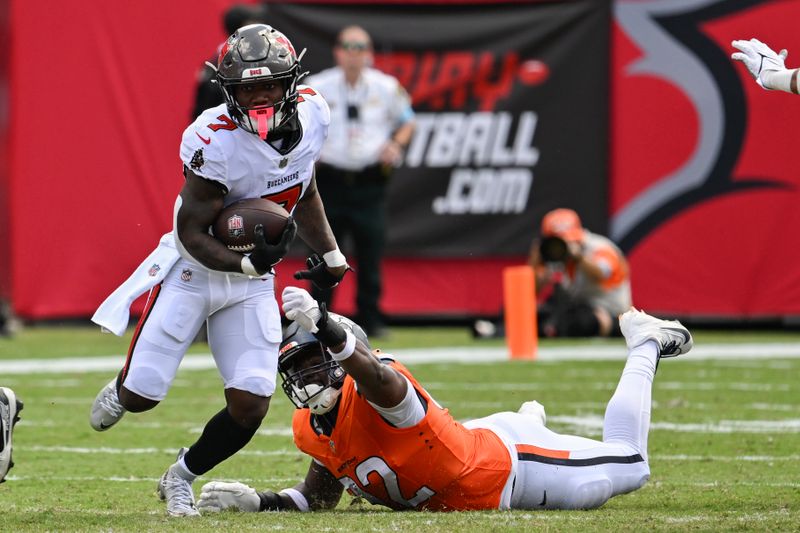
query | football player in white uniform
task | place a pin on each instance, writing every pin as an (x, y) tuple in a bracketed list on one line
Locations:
[(262, 142)]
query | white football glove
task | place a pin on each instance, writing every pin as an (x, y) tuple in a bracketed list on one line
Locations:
[(759, 58), (299, 306), (217, 496)]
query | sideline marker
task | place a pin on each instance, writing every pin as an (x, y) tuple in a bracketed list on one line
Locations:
[(519, 306)]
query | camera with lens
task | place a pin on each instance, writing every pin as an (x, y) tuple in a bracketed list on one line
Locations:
[(553, 250)]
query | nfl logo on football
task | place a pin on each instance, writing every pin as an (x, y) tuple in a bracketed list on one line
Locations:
[(235, 226)]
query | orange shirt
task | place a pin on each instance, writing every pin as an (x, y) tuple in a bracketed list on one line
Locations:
[(437, 464)]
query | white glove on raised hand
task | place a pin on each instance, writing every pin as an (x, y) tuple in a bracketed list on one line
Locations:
[(217, 496), (299, 306), (759, 58)]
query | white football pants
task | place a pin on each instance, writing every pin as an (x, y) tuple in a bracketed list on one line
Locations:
[(244, 330), (553, 471)]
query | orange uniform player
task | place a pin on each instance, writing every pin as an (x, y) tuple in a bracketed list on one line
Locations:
[(371, 428), (437, 464)]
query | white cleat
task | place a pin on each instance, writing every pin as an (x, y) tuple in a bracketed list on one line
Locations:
[(10, 407), (177, 492), (534, 409), (671, 336), (106, 409)]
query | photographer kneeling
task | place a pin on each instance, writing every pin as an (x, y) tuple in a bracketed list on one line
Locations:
[(582, 279)]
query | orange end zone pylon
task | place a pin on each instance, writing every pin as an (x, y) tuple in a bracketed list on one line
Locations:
[(519, 306)]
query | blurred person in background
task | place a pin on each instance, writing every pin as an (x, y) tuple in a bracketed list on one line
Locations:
[(370, 427), (371, 125), (766, 66), (582, 279), (208, 93), (261, 142), (10, 406)]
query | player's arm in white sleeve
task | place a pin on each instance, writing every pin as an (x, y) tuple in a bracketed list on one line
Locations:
[(319, 491), (766, 66), (409, 412)]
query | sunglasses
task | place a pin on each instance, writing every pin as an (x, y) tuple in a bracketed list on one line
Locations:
[(356, 46)]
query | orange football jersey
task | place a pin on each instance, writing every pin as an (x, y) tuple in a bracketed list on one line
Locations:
[(437, 464)]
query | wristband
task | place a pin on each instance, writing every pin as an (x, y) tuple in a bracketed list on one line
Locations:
[(270, 501), (780, 80), (330, 333), (298, 498), (347, 351), (248, 268), (334, 258)]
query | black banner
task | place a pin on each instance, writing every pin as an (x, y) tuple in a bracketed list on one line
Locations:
[(512, 114)]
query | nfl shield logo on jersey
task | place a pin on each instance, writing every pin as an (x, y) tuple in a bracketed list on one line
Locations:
[(153, 270), (235, 226)]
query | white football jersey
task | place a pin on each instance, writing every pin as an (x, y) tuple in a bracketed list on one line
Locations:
[(214, 147)]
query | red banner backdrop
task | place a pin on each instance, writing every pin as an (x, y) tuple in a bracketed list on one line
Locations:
[(100, 93), (703, 188)]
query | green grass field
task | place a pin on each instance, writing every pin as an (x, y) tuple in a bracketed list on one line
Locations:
[(724, 442)]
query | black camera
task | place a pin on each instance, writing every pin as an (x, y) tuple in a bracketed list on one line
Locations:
[(553, 250)]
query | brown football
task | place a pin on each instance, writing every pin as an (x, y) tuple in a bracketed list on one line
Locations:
[(235, 224)]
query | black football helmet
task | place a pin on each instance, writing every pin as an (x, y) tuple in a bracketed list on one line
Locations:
[(311, 377), (255, 54)]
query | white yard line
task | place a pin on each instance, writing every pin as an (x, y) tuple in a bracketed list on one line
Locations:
[(427, 355), (146, 451), (132, 479), (107, 450), (594, 423)]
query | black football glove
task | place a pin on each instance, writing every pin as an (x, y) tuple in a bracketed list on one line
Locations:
[(318, 273), (265, 255)]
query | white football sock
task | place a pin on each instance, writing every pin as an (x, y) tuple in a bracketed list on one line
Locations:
[(627, 418), (183, 471)]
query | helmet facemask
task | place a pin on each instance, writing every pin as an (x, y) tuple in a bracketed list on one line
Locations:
[(311, 378), (263, 119)]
